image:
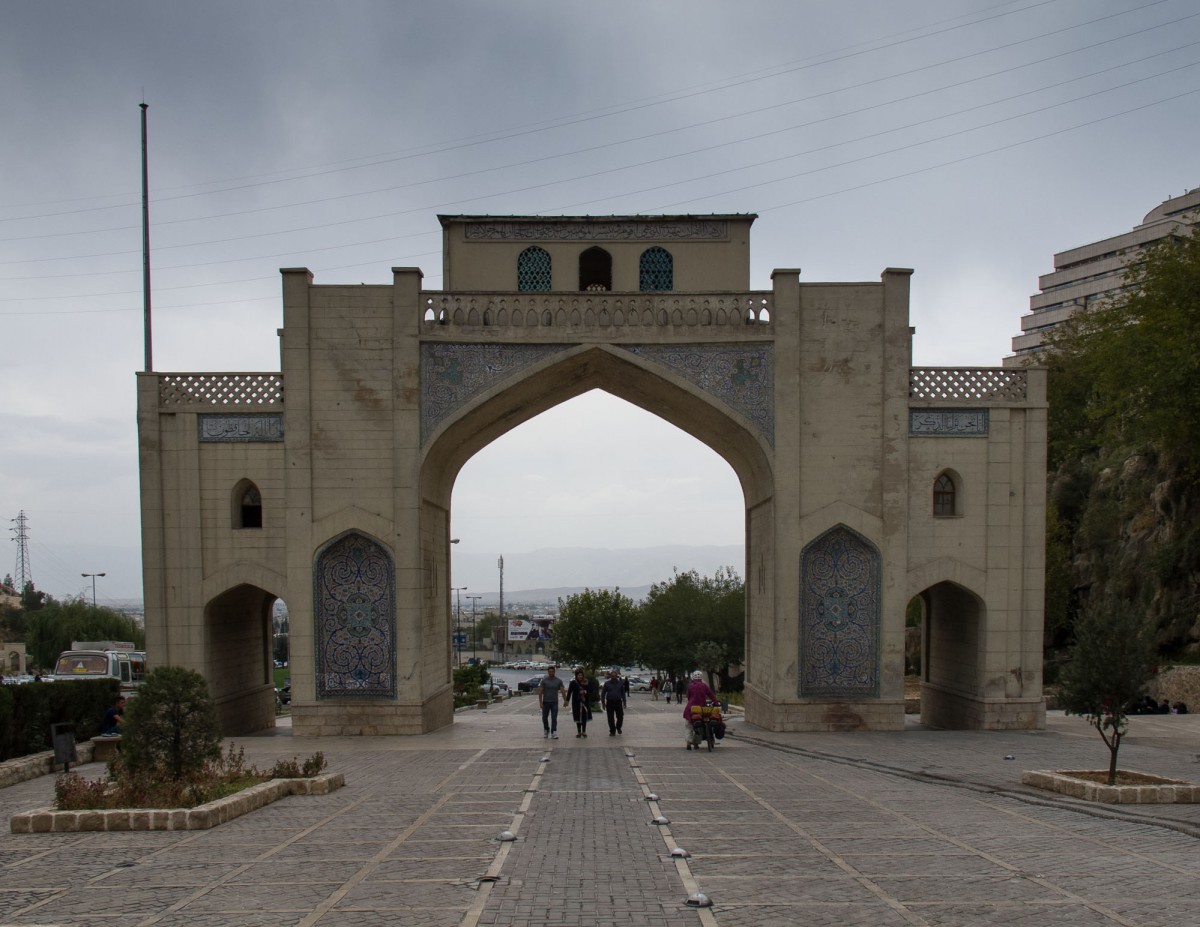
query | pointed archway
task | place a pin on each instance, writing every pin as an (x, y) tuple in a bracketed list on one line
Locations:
[(569, 374)]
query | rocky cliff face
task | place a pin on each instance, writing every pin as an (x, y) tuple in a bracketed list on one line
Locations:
[(1128, 527)]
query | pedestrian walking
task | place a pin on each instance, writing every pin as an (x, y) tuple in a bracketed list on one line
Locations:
[(577, 695), (654, 688), (548, 693), (612, 700)]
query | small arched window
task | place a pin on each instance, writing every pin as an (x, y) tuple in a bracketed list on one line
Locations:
[(945, 496), (595, 270), (533, 270), (247, 506), (656, 270)]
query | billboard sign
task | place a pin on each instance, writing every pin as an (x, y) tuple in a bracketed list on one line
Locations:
[(521, 630)]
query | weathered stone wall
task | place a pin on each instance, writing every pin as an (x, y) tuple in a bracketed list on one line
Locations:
[(1178, 684)]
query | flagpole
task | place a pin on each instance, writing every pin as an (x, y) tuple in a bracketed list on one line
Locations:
[(146, 245)]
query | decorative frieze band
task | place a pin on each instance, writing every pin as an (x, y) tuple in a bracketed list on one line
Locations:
[(701, 229), (252, 427), (948, 423)]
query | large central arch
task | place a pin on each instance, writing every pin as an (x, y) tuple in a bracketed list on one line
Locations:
[(565, 375)]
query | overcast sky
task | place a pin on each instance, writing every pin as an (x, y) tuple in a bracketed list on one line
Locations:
[(967, 139)]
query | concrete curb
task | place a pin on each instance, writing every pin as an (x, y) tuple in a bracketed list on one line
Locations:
[(24, 768), (202, 817), (1065, 782)]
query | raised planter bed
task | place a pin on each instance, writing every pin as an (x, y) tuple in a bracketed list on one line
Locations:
[(1138, 788), (202, 817)]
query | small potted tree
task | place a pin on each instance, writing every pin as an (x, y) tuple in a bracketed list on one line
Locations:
[(1112, 659)]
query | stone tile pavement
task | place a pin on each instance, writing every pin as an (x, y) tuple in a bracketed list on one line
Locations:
[(914, 828)]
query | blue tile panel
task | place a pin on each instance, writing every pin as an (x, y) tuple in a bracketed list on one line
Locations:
[(354, 606), (839, 616)]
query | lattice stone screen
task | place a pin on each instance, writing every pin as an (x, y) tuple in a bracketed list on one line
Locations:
[(966, 384), (220, 389)]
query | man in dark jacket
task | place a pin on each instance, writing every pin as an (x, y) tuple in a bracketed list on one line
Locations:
[(612, 700)]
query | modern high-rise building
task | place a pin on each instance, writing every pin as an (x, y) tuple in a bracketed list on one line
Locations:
[(1086, 276)]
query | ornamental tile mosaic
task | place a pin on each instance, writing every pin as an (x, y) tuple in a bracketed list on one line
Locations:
[(839, 616), (354, 595), (454, 374), (742, 378)]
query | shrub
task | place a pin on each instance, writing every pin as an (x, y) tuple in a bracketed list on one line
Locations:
[(171, 728)]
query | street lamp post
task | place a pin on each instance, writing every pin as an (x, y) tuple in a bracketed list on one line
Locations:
[(457, 590), (500, 564), (474, 601), (93, 578)]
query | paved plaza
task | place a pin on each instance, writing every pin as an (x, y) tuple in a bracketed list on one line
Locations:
[(915, 828)]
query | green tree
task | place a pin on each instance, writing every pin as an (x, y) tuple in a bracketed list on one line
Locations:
[(469, 680), (1113, 658), (32, 598), (485, 625), (50, 629), (595, 628), (171, 728), (688, 611), (1128, 373)]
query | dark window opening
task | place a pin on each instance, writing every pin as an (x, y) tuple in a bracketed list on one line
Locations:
[(944, 496), (595, 270), (251, 508)]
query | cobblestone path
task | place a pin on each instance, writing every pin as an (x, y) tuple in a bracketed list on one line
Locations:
[(914, 828)]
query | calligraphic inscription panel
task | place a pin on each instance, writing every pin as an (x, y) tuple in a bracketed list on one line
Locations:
[(454, 374), (354, 595), (839, 616), (742, 378), (680, 230), (948, 423), (251, 427)]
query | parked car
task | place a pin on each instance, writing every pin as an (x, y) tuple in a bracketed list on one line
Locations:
[(531, 684), (639, 684), (499, 688)]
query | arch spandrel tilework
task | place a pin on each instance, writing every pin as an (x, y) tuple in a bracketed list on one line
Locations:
[(742, 378), (454, 374), (839, 616), (354, 596)]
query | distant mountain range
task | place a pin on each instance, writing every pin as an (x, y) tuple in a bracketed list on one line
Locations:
[(544, 576)]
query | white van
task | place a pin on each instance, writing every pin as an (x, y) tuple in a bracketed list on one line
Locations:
[(127, 665)]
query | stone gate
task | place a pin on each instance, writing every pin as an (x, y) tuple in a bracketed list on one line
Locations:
[(866, 481)]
